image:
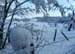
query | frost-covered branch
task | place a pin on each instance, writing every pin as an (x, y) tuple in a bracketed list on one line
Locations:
[(7, 34)]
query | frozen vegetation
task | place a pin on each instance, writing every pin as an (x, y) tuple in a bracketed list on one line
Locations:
[(20, 40)]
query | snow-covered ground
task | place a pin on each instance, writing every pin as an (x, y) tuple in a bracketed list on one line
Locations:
[(48, 46)]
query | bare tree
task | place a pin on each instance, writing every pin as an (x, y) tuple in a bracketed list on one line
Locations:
[(7, 7), (72, 20)]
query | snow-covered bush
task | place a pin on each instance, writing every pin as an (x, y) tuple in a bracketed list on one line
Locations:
[(21, 39)]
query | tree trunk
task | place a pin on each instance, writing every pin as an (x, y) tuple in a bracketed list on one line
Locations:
[(1, 38), (70, 27), (55, 35), (64, 36)]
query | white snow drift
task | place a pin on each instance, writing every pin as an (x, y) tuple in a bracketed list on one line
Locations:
[(21, 39)]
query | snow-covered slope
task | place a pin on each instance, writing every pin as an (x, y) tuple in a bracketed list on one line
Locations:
[(48, 46)]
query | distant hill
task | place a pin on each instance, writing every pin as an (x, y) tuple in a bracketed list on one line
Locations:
[(53, 19), (26, 19), (46, 19)]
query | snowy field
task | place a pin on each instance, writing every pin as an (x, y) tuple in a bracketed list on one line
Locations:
[(46, 32)]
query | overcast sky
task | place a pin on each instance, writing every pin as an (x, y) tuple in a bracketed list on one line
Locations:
[(53, 13)]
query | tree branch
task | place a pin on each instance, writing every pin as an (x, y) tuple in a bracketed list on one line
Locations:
[(7, 34)]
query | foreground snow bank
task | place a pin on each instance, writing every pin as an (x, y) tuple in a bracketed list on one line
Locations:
[(21, 39)]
